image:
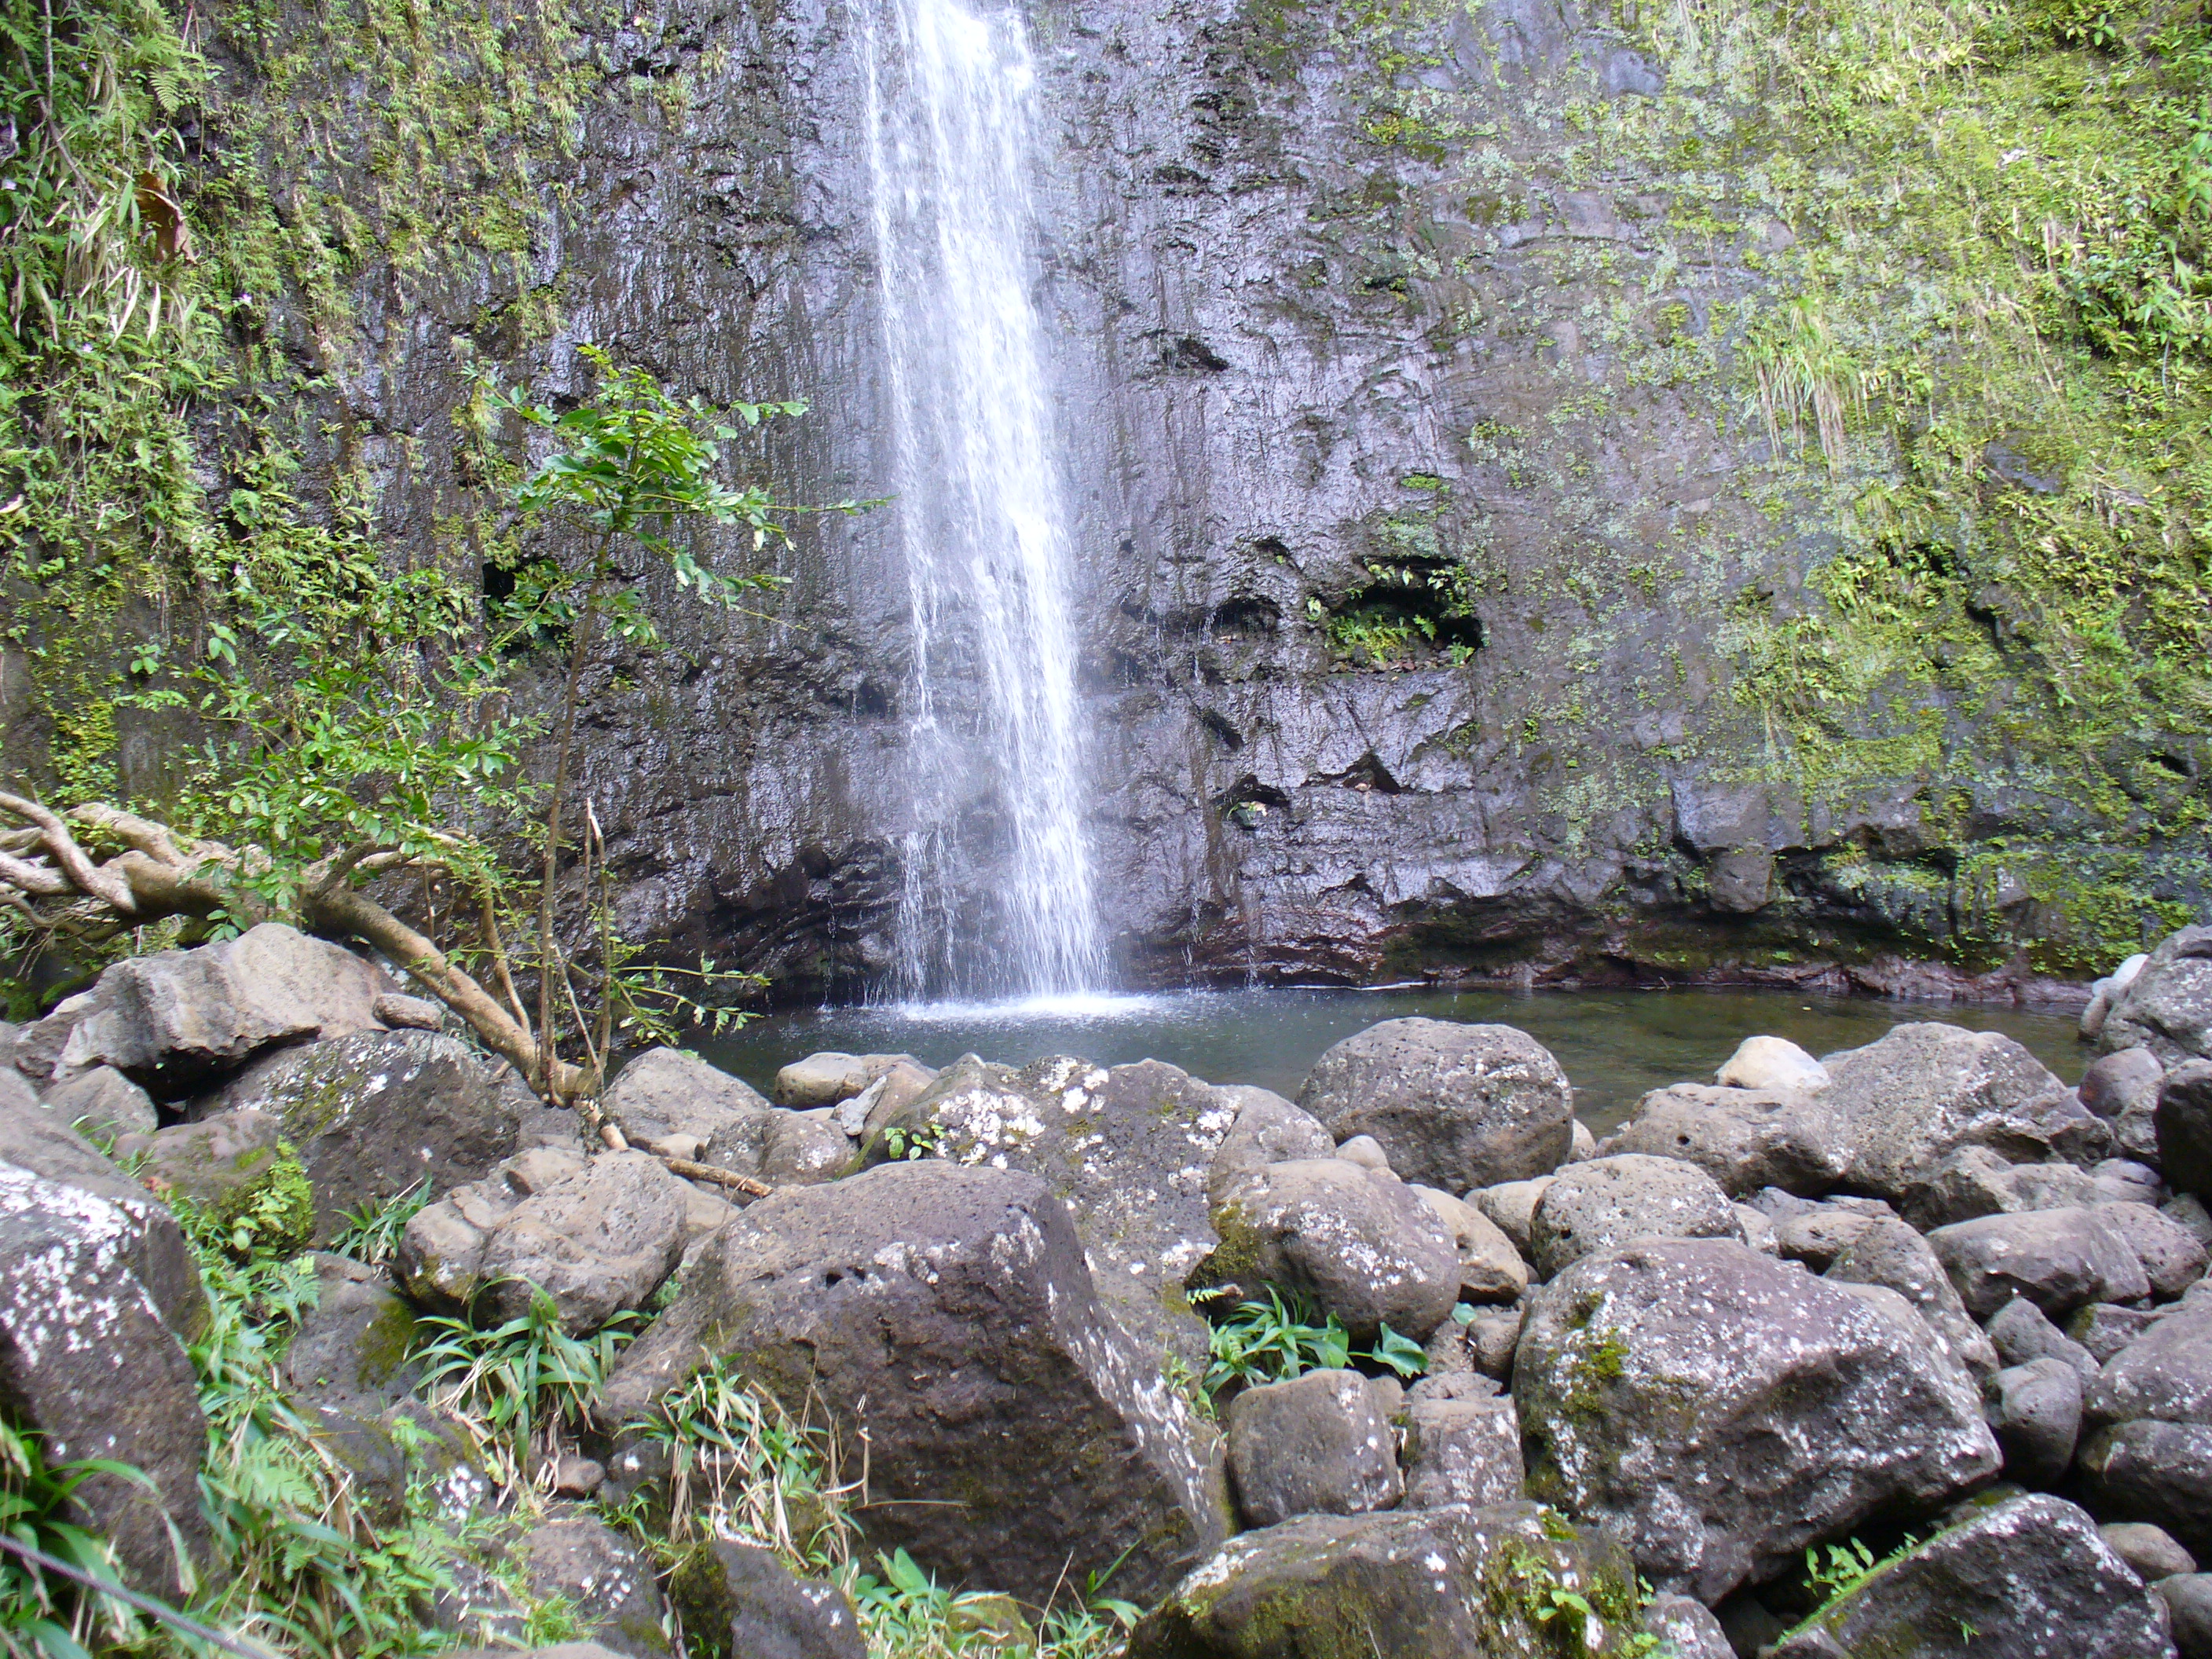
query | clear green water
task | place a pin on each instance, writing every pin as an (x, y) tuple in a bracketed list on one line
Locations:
[(1614, 1045)]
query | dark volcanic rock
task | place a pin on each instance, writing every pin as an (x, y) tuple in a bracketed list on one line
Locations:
[(2029, 1576), (1416, 1585), (1723, 1409), (2184, 1121), (740, 1602), (1608, 1202), (1314, 1445), (1016, 1434), (2060, 1260), (1745, 1139), (613, 1588), (1454, 1106)]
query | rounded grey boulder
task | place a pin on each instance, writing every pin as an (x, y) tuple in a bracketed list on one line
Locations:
[(1454, 1106), (2167, 1007), (1314, 1445), (1611, 1201)]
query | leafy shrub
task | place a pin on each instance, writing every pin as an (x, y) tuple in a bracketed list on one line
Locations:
[(54, 1617), (1275, 1340)]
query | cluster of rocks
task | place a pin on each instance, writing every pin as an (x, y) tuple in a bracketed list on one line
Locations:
[(1918, 1291)]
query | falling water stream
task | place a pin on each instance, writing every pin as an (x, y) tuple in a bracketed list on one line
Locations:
[(949, 111)]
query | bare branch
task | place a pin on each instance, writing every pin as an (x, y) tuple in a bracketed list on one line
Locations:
[(74, 863), (33, 878)]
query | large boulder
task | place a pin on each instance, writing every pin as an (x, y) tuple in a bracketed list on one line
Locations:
[(1974, 1182), (2123, 1089), (1924, 1090), (1126, 1148), (1267, 1129), (2029, 1576), (1314, 1445), (2059, 1260), (1745, 1139), (103, 1103), (2172, 1257), (2165, 1373), (2183, 1121), (2167, 1007), (1413, 1584), (665, 1095), (1358, 1242), (235, 1171), (1889, 1253), (1608, 1202), (97, 1294), (1017, 1438), (1454, 1106), (375, 1114), (171, 1020), (1723, 1409), (598, 1235)]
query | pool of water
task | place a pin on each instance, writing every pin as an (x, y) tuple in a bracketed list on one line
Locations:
[(1614, 1045)]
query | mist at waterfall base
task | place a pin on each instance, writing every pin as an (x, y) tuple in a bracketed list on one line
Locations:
[(1615, 1045)]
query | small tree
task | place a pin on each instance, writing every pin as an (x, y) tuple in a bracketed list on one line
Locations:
[(363, 725)]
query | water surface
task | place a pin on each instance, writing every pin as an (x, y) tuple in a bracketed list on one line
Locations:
[(1614, 1045)]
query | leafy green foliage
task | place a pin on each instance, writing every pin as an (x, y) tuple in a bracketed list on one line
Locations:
[(1273, 1339), (522, 1384), (906, 1614), (54, 1617), (371, 1234)]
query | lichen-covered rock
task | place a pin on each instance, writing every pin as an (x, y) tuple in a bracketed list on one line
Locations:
[(1924, 1090), (375, 1114), (1490, 1268), (96, 1291), (801, 1148), (171, 1019), (1411, 1584), (2155, 1471), (1314, 1445), (2060, 1260), (2172, 1257), (2182, 1119), (1974, 1182), (1357, 1241), (354, 1348), (1611, 1202), (614, 1589), (1723, 1409), (1890, 1252), (1267, 1129), (1126, 1148), (1462, 1451), (664, 1092), (1454, 1106), (740, 1602), (2167, 1007), (1745, 1139), (2166, 1372), (2029, 1575), (1685, 1628), (2036, 1410), (597, 1235), (1016, 1436)]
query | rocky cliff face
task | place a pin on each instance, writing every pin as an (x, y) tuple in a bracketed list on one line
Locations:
[(1450, 599)]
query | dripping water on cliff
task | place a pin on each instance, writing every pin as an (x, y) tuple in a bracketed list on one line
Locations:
[(981, 518)]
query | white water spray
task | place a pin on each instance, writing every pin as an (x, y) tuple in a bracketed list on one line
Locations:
[(950, 96)]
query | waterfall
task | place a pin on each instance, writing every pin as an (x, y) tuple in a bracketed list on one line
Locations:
[(950, 107)]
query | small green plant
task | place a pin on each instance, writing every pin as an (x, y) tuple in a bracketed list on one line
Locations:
[(371, 1234), (1274, 1340), (522, 1386), (926, 1140), (55, 1619)]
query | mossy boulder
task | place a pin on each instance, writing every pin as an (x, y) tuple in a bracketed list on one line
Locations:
[(1514, 1580)]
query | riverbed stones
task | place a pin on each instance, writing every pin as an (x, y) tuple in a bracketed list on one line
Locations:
[(2019, 1332), (2036, 1411), (2167, 1007), (2184, 1123), (1891, 1253), (1454, 1106), (1723, 1409), (822, 1079), (97, 1293), (1405, 1585), (2027, 1576), (1974, 1182), (1127, 1149), (1770, 1062), (664, 1092), (173, 1018), (103, 1103), (1016, 1436), (2123, 1089), (1314, 1445), (2060, 1260), (597, 1235), (2151, 1552), (1462, 1451), (1925, 1089), (2172, 1260), (376, 1114), (1745, 1139), (1267, 1129), (1356, 1242), (1511, 1206), (1611, 1201), (1490, 1268)]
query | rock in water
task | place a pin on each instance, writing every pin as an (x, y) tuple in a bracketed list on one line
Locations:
[(1017, 1438), (1412, 1585), (172, 1019), (375, 1114), (96, 1290), (1723, 1409), (1127, 1149), (2027, 1576), (1925, 1089), (2167, 1007), (1455, 1106)]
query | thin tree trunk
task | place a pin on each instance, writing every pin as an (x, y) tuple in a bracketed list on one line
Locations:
[(587, 626)]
